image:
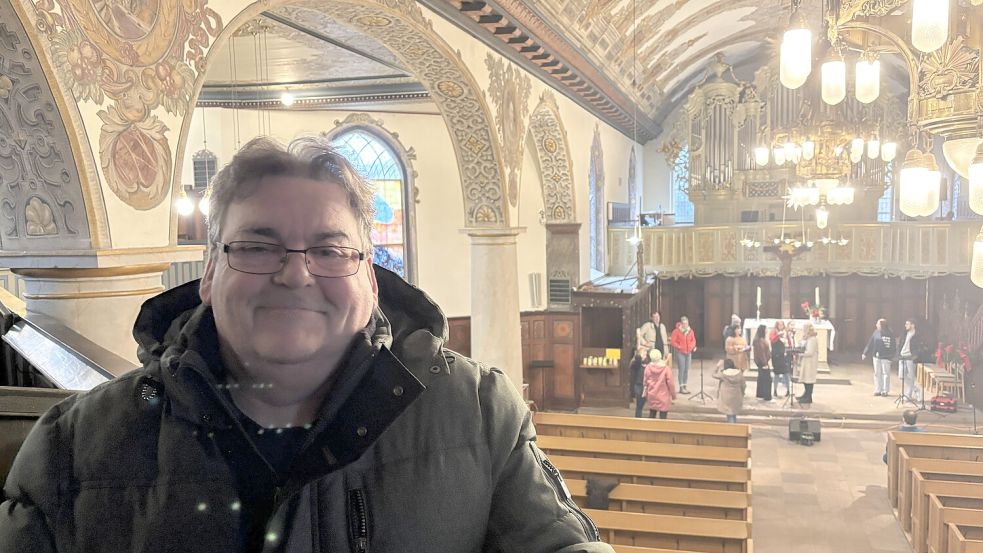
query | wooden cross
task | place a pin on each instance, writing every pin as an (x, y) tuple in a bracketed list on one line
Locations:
[(786, 252)]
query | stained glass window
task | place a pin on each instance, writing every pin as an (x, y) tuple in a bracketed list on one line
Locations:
[(679, 186), (377, 162)]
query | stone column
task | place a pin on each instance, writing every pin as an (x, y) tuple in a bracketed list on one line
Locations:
[(99, 294), (496, 338)]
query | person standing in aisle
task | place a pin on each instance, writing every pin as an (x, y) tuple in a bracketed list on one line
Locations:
[(683, 342), (882, 347), (762, 356), (637, 369), (660, 390)]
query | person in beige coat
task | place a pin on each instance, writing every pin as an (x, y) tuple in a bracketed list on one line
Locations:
[(808, 363), (730, 394)]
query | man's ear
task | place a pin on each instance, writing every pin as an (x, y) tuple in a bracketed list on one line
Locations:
[(370, 270), (207, 278)]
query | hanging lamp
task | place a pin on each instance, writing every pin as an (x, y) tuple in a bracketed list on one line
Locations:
[(929, 24), (795, 59), (976, 181)]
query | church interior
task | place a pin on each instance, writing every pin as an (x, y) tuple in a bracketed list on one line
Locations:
[(564, 178)]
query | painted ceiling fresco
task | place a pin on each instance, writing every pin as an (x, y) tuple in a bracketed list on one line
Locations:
[(671, 41)]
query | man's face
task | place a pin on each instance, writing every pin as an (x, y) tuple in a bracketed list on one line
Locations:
[(684, 324), (291, 316), (656, 318), (908, 325)]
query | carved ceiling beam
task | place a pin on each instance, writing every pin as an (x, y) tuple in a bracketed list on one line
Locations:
[(515, 31)]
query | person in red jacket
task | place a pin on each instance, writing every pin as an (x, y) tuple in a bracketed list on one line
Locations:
[(683, 341)]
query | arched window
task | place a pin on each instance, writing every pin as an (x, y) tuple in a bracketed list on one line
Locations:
[(377, 162), (679, 188)]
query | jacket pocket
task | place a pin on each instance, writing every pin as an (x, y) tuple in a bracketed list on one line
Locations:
[(358, 521), (563, 493)]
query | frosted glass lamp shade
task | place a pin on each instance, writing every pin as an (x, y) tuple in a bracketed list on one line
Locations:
[(203, 205), (761, 154), (287, 99), (931, 186), (834, 80), (976, 270), (929, 24), (856, 155), (868, 80), (795, 57), (913, 172), (808, 150), (779, 155), (959, 154), (184, 205), (873, 148), (976, 182), (822, 217), (889, 151)]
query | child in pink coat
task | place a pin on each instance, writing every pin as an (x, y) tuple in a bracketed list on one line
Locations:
[(660, 389)]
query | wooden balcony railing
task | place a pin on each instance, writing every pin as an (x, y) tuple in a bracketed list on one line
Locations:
[(907, 249)]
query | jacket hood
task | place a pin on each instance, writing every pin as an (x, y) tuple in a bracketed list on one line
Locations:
[(657, 367), (404, 311)]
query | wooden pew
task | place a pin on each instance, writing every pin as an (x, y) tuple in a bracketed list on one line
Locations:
[(668, 500), (962, 539), (644, 451), (636, 549), (671, 532), (927, 445), (735, 479), (19, 410), (924, 485), (944, 510), (642, 430), (958, 469)]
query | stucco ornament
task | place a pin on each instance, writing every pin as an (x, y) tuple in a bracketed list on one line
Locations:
[(509, 90), (135, 157), (141, 55), (40, 218), (553, 155)]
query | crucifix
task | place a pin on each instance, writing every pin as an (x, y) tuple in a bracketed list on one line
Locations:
[(786, 252)]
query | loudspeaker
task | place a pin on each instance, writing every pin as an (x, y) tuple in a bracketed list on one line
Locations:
[(798, 427)]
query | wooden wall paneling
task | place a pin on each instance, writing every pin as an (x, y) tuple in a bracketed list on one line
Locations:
[(459, 335), (717, 301)]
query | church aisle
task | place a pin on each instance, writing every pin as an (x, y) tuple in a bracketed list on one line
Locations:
[(827, 498)]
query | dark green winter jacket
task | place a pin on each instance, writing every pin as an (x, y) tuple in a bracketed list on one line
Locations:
[(416, 449)]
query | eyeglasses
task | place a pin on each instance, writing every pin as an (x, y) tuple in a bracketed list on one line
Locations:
[(260, 258)]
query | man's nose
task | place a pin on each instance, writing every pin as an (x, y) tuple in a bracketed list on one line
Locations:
[(294, 272)]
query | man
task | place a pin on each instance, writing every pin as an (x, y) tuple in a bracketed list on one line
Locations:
[(637, 370), (297, 399), (881, 346), (683, 342), (735, 322), (653, 334), (912, 351)]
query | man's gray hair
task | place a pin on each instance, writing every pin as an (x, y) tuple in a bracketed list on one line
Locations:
[(308, 157)]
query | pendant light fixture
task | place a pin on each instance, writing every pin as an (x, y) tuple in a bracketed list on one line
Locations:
[(761, 154), (889, 151), (976, 268), (822, 217), (795, 60), (834, 77), (976, 181), (912, 173), (868, 73), (929, 24)]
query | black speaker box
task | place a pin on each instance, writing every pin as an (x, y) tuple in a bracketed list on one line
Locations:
[(797, 427)]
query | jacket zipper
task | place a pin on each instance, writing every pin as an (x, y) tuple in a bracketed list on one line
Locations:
[(358, 522), (564, 493)]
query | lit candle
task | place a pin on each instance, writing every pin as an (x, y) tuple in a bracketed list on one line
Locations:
[(817, 296), (759, 296)]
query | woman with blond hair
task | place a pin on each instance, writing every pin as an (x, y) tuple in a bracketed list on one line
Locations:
[(808, 363), (737, 348), (660, 389)]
